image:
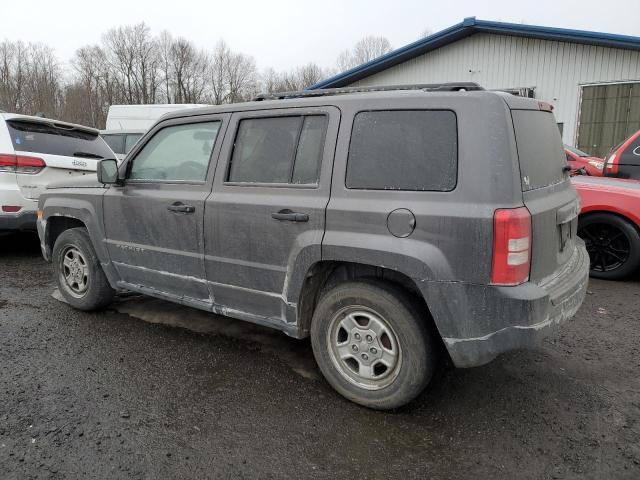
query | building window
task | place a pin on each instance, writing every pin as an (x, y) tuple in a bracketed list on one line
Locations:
[(608, 114)]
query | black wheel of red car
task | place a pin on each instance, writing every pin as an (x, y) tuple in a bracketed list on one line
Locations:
[(613, 244)]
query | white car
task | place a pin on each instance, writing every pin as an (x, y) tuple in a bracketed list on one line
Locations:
[(36, 151)]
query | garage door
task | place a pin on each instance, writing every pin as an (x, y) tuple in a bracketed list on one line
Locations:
[(608, 114)]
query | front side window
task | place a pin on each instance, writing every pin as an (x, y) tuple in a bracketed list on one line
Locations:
[(278, 150), (403, 150), (177, 153)]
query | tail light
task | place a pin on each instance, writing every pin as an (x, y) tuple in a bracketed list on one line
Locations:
[(11, 208), (21, 164), (511, 246), (7, 163)]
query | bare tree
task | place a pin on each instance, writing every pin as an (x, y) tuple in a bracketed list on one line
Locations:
[(132, 66), (184, 70), (364, 51), (93, 89), (233, 76), (13, 69), (218, 73), (296, 79), (133, 53), (29, 79)]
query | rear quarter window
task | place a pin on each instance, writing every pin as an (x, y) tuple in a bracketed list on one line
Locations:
[(42, 138), (540, 149), (413, 150), (631, 155)]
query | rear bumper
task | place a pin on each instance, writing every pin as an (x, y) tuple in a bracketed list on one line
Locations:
[(19, 221), (499, 319)]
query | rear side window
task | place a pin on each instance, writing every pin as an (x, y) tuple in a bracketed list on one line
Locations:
[(403, 150), (540, 148), (177, 153), (48, 139), (278, 150)]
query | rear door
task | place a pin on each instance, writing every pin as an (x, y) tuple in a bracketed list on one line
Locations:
[(264, 221), (154, 222), (546, 190), (65, 151)]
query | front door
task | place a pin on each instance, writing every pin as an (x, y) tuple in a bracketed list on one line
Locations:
[(154, 222), (264, 221)]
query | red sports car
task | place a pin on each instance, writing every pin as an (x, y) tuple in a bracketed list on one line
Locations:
[(578, 159), (609, 223)]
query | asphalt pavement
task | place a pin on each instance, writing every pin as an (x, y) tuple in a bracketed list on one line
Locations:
[(149, 390)]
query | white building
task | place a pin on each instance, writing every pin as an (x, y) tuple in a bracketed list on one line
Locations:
[(592, 79)]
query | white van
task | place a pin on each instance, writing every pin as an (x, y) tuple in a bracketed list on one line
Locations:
[(36, 151), (141, 117)]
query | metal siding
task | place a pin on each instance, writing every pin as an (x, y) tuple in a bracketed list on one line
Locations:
[(556, 69)]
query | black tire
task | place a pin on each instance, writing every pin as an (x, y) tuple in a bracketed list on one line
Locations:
[(418, 351), (613, 244), (95, 293)]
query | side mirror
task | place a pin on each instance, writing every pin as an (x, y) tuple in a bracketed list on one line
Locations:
[(582, 171), (108, 171)]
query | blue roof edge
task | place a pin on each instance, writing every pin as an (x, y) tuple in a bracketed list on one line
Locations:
[(470, 26)]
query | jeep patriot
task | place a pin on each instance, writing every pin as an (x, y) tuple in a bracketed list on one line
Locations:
[(397, 227)]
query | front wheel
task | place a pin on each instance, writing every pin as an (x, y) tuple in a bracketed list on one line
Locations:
[(371, 342), (613, 244), (80, 278)]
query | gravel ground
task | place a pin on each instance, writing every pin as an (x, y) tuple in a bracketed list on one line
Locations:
[(112, 395)]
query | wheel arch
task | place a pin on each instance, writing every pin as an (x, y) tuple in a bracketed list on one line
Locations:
[(58, 224), (613, 212), (326, 274)]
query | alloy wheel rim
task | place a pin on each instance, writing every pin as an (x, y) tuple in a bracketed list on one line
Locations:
[(609, 247), (74, 271), (364, 348)]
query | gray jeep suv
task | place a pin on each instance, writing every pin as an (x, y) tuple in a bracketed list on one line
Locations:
[(394, 227)]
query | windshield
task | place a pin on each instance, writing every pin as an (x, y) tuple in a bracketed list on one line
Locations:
[(577, 152)]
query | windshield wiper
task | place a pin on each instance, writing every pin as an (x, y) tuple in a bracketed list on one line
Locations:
[(87, 155)]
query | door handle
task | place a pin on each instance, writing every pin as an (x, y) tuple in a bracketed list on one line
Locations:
[(179, 207), (289, 216)]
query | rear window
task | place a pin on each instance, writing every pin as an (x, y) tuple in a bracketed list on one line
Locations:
[(403, 150), (41, 138), (540, 148)]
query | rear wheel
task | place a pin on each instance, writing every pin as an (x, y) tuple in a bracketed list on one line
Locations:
[(371, 342), (80, 278), (613, 244)]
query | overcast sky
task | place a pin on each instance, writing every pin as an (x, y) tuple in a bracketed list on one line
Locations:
[(283, 34)]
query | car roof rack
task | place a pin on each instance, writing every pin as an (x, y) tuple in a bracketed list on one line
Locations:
[(325, 92)]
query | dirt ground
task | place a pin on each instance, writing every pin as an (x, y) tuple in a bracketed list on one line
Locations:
[(149, 390)]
